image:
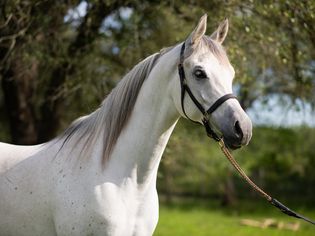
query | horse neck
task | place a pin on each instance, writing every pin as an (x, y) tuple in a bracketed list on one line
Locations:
[(140, 146)]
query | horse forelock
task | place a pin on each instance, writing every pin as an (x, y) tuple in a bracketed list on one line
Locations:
[(216, 49)]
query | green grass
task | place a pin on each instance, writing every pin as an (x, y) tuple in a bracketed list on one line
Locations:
[(200, 219)]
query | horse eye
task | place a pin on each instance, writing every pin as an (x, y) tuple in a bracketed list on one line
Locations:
[(200, 74)]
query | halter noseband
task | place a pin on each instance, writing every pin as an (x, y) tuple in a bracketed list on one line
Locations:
[(211, 129)]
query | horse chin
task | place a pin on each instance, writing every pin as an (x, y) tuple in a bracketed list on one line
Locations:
[(230, 145)]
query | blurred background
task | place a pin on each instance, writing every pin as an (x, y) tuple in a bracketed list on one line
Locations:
[(59, 59)]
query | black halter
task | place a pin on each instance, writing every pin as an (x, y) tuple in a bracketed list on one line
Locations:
[(211, 129)]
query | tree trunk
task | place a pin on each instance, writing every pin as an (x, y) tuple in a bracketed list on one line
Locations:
[(21, 23), (229, 196), (17, 85), (52, 108)]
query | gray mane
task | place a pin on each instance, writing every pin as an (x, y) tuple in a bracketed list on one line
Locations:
[(113, 114)]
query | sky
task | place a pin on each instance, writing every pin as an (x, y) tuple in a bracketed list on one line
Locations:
[(278, 114)]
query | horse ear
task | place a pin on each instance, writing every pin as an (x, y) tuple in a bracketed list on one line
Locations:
[(221, 32), (199, 31)]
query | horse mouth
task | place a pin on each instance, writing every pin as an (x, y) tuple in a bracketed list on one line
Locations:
[(232, 146)]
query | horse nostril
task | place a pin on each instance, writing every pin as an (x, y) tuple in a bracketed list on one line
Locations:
[(238, 130)]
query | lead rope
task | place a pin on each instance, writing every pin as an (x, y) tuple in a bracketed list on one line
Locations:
[(229, 156), (273, 201)]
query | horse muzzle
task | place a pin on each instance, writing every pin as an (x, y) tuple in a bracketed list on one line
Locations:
[(238, 131)]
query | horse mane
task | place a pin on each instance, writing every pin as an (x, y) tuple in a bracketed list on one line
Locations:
[(113, 114)]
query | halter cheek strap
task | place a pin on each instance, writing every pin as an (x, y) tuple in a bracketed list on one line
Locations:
[(210, 127)]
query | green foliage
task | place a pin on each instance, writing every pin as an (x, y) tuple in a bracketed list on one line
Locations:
[(281, 160)]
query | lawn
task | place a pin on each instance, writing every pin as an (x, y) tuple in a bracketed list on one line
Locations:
[(200, 219)]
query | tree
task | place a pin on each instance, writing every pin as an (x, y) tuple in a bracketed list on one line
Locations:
[(24, 44), (48, 62), (30, 39)]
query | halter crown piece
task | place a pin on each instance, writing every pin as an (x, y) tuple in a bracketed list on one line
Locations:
[(215, 133)]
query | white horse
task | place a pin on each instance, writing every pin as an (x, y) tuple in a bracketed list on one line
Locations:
[(99, 176)]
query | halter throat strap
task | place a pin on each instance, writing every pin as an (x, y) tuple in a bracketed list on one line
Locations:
[(211, 129)]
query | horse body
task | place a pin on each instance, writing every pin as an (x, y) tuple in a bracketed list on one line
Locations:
[(61, 188), (44, 195), (47, 194)]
